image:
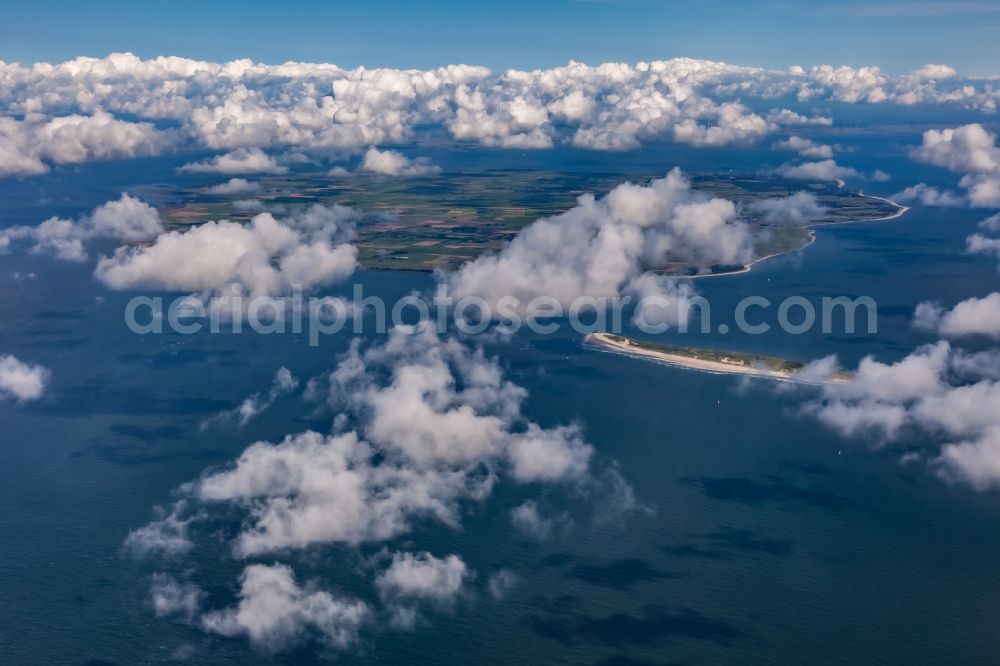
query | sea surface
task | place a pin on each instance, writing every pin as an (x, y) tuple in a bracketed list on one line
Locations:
[(765, 537)]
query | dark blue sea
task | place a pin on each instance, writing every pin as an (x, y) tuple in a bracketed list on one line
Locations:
[(767, 538)]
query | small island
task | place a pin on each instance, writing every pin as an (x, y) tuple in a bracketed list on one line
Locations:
[(707, 360)]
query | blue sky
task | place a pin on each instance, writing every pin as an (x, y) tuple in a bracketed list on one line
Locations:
[(897, 35)]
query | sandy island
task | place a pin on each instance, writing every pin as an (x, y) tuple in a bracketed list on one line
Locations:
[(729, 366)]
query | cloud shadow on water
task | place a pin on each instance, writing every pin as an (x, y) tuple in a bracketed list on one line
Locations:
[(654, 624), (777, 490), (727, 543), (621, 574), (147, 434), (96, 398)]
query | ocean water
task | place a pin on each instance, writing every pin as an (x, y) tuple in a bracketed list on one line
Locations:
[(766, 538)]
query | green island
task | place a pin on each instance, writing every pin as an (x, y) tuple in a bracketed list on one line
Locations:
[(708, 360), (448, 219)]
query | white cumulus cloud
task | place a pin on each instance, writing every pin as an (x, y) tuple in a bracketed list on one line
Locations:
[(234, 186), (126, 219), (275, 612), (821, 170), (253, 160), (394, 163), (412, 578), (436, 425), (950, 396), (798, 207), (284, 382), (599, 247), (22, 381), (266, 257), (971, 151), (974, 316), (805, 147), (927, 195)]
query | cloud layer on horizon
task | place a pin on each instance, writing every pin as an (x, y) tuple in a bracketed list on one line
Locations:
[(122, 106)]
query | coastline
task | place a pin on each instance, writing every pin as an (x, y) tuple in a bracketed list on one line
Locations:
[(605, 342), (900, 208), (900, 211), (749, 267)]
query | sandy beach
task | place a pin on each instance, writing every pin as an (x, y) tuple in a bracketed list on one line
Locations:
[(605, 341), (900, 209)]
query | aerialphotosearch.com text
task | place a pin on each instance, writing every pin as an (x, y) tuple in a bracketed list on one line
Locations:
[(317, 316)]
